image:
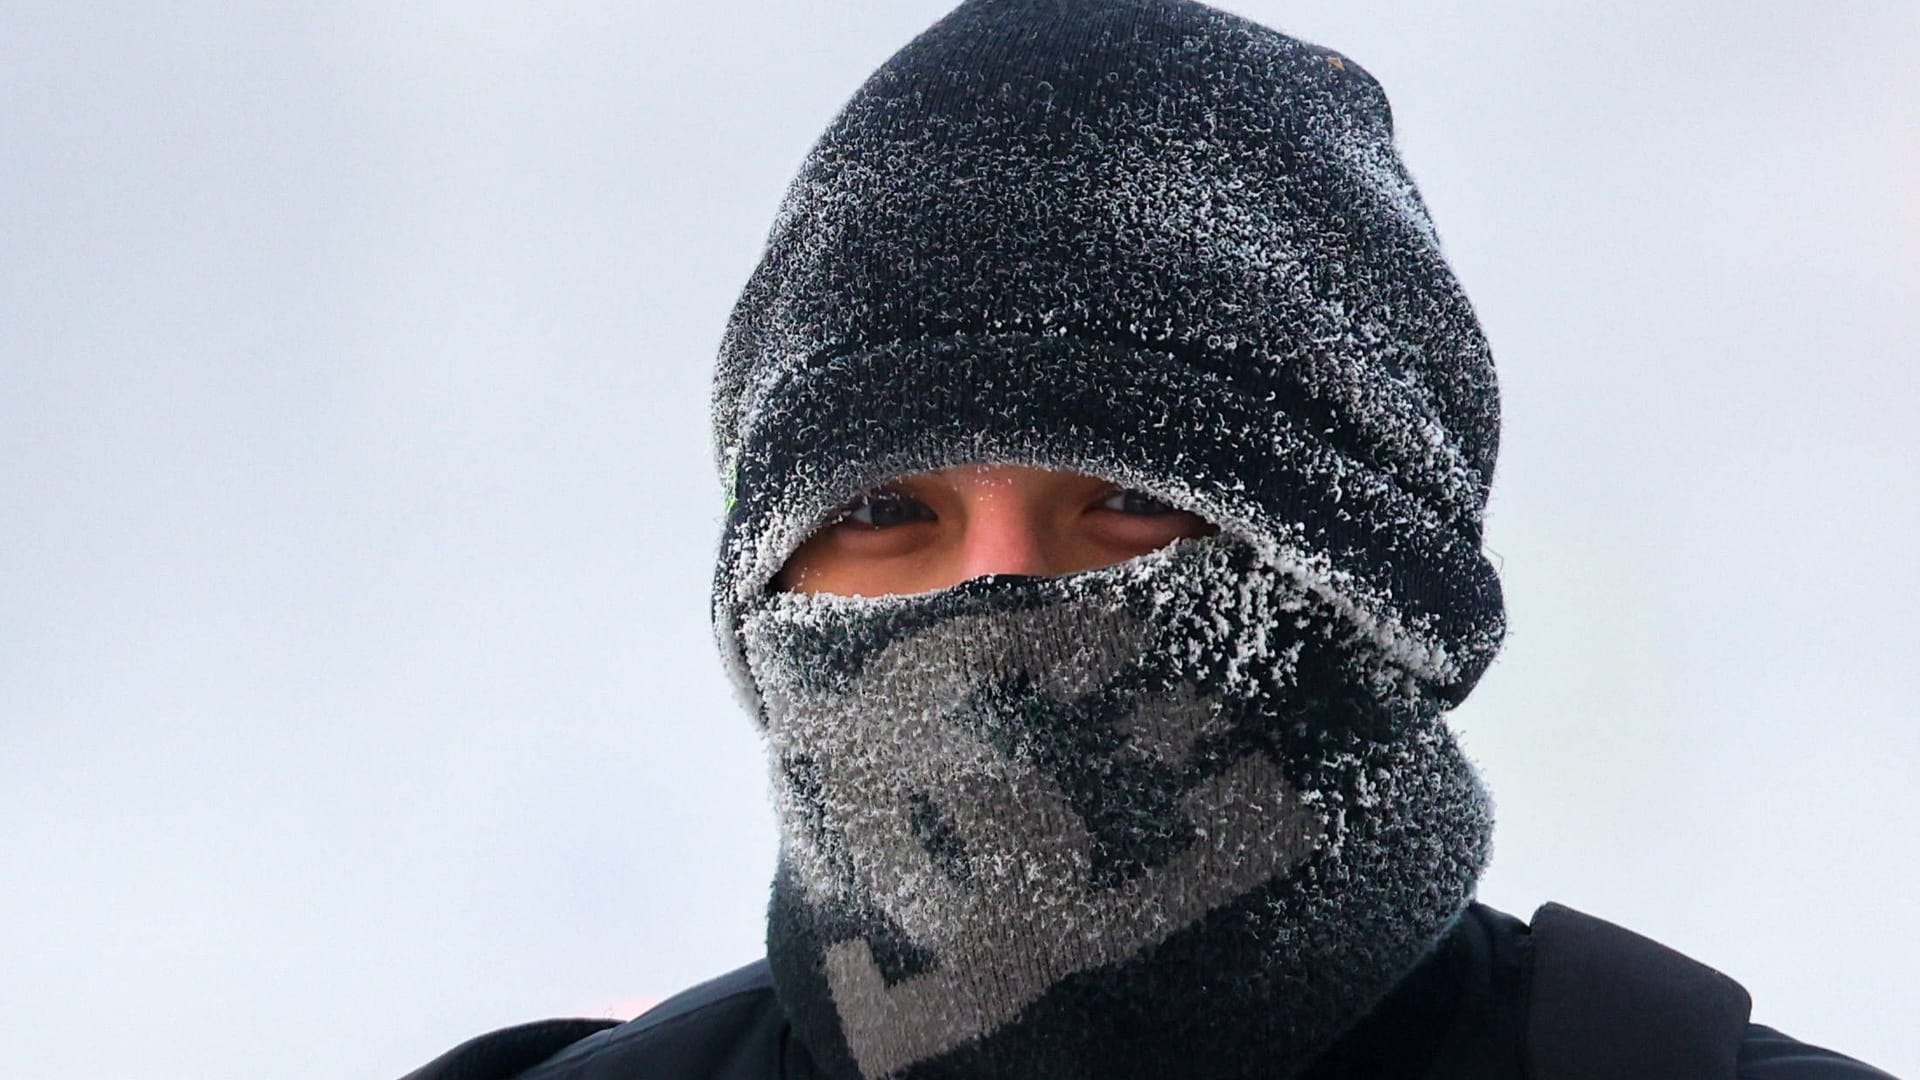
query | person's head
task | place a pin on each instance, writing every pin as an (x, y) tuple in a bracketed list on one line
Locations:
[(1106, 442)]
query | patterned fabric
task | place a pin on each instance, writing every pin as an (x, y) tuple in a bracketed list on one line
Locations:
[(1129, 822)]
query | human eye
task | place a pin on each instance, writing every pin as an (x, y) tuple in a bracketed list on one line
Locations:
[(1135, 503), (885, 509)]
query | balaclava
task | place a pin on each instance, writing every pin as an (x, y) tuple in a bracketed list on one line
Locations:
[(1193, 814)]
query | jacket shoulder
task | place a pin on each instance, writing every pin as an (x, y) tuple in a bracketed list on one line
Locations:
[(1605, 1001), (727, 1027), (1766, 1054), (505, 1053)]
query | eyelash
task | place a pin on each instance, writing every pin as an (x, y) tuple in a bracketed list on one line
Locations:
[(884, 498), (1152, 507), (1133, 503)]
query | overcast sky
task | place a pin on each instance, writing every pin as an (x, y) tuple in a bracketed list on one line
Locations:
[(356, 511)]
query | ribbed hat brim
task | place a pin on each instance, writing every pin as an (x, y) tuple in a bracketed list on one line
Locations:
[(1411, 581)]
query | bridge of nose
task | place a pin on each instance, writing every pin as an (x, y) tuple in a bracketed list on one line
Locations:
[(1007, 528)]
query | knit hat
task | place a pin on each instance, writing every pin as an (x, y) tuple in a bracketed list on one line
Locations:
[(1199, 810), (1138, 238)]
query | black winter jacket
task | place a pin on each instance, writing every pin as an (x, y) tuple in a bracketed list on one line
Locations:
[(1474, 1010)]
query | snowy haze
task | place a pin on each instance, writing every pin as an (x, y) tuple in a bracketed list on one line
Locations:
[(356, 512)]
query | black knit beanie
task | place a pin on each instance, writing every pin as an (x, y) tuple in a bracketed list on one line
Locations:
[(1154, 242)]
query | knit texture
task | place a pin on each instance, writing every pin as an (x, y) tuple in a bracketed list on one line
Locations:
[(1139, 238), (1186, 816), (1145, 821)]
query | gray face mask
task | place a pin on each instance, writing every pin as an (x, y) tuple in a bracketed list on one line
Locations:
[(1164, 818)]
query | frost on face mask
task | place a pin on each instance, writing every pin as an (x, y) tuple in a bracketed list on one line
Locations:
[(1005, 804), (1186, 816)]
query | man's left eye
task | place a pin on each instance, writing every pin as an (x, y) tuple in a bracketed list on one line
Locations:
[(1135, 502)]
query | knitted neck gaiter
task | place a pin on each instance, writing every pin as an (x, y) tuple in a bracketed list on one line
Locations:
[(1154, 820), (1186, 816)]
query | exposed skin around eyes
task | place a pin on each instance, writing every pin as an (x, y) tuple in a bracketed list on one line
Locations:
[(935, 529)]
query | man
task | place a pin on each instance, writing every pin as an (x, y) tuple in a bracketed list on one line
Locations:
[(1106, 444)]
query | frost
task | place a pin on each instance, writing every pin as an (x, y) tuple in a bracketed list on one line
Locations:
[(1034, 778), (1189, 260)]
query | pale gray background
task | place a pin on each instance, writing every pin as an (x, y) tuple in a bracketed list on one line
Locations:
[(356, 512)]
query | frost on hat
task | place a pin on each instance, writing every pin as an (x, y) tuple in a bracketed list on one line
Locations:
[(1151, 241), (1139, 238)]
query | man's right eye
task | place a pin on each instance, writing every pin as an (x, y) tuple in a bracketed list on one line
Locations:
[(885, 509)]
